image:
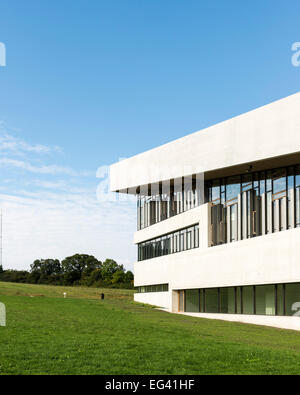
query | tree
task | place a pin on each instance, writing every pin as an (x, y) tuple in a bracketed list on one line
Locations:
[(79, 269), (46, 267), (109, 267), (15, 276), (78, 265), (118, 277), (129, 277), (96, 276)]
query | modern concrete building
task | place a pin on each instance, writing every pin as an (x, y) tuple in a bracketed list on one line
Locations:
[(218, 228)]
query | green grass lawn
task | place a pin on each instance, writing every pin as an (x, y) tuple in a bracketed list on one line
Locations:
[(47, 334)]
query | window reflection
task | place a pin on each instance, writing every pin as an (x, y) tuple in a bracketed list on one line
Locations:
[(171, 243), (248, 205), (254, 204), (152, 288), (274, 299), (164, 200)]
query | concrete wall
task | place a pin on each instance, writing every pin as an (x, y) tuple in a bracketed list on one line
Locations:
[(266, 132), (269, 259), (160, 299), (292, 323)]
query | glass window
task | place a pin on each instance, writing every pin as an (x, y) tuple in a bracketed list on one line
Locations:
[(255, 178), (297, 176), (292, 298), (171, 243), (189, 238), (153, 288), (280, 299), (265, 299), (247, 182), (202, 300), (211, 300), (164, 201), (279, 182), (269, 181), (297, 195), (297, 205), (269, 213), (290, 197), (233, 188), (197, 236), (233, 218), (215, 192), (238, 296), (224, 300), (192, 301), (183, 240), (231, 300), (173, 205), (142, 212), (248, 300), (262, 183)]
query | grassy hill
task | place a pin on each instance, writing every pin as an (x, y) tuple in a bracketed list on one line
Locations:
[(47, 334)]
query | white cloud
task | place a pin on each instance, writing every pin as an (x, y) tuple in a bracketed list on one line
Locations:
[(17, 146), (57, 215), (56, 226), (48, 169)]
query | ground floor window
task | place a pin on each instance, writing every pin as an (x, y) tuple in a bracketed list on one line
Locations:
[(275, 299), (152, 288)]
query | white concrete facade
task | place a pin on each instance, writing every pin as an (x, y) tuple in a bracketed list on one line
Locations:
[(162, 299), (247, 262), (266, 138)]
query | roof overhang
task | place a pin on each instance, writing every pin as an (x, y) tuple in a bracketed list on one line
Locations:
[(266, 137)]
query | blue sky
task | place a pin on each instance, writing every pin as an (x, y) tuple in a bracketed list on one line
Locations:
[(89, 82)]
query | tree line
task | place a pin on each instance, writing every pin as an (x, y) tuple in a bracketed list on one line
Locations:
[(79, 269)]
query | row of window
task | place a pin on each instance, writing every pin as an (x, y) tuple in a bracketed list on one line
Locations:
[(273, 181), (255, 204), (278, 299), (281, 184), (152, 288), (164, 200), (171, 243)]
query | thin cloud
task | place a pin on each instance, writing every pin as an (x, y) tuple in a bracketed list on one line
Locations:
[(52, 210), (58, 226), (45, 169), (17, 146)]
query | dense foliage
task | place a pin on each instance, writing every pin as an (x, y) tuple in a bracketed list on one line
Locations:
[(79, 269)]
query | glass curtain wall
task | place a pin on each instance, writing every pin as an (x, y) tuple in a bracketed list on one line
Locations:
[(182, 240), (254, 204), (276, 299), (244, 206), (164, 200), (192, 300)]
